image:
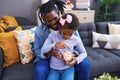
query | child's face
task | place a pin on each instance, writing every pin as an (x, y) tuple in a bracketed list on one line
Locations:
[(66, 32)]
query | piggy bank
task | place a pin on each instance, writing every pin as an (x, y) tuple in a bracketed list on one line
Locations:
[(67, 56)]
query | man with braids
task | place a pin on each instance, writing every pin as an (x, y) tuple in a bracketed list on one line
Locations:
[(49, 15)]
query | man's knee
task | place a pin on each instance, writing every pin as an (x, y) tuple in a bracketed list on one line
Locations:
[(42, 67), (41, 70), (84, 65), (83, 70)]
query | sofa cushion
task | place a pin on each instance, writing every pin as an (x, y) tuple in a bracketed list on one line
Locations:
[(7, 21), (10, 20), (106, 41), (102, 27), (9, 47), (116, 52), (25, 39), (114, 28), (19, 71), (85, 32), (102, 60)]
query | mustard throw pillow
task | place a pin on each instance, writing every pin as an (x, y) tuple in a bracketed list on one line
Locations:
[(10, 20), (7, 21), (9, 47)]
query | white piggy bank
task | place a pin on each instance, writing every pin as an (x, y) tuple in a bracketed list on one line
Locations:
[(67, 56)]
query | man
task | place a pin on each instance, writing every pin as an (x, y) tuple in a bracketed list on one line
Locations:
[(49, 15)]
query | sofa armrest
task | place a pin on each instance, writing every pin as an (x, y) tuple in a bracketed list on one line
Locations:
[(1, 62)]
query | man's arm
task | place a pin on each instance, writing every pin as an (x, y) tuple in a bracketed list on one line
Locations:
[(81, 50), (38, 42), (48, 46), (76, 33), (39, 38), (76, 53)]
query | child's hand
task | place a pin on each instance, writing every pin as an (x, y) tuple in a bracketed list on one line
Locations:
[(60, 45)]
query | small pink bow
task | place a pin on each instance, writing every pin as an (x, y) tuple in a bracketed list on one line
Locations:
[(68, 20)]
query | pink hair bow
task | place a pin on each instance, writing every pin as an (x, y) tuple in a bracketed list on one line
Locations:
[(68, 20)]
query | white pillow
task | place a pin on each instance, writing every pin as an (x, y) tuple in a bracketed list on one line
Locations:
[(114, 28), (106, 41)]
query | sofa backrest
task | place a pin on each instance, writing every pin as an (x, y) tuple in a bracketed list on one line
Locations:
[(85, 32), (22, 21), (86, 29), (102, 27)]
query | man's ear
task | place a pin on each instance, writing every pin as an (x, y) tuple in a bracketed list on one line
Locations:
[(43, 18)]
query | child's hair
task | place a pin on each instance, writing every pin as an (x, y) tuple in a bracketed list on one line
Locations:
[(70, 21), (49, 6)]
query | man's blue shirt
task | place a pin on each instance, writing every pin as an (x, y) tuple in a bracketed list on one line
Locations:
[(41, 34)]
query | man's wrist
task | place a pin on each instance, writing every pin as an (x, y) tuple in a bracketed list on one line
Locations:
[(50, 52), (75, 54), (47, 54)]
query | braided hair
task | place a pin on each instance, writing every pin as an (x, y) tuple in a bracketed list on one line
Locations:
[(47, 7)]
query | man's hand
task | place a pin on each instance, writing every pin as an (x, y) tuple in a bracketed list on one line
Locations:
[(72, 62), (53, 52), (74, 54), (56, 53)]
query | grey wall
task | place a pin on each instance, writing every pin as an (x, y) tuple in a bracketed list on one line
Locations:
[(27, 8), (24, 8)]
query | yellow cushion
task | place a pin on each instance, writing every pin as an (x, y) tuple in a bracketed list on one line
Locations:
[(114, 28), (10, 20), (9, 47), (7, 21)]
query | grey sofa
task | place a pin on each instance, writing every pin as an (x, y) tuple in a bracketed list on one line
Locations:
[(101, 60)]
